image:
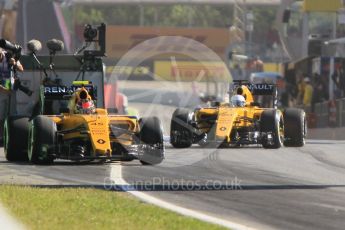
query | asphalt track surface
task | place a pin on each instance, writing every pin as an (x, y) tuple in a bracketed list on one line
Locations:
[(288, 188)]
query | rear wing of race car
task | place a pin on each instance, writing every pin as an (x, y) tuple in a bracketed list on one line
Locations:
[(61, 92), (257, 89)]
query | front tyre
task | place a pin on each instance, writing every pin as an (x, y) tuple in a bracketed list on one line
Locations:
[(151, 136), (181, 134), (16, 130), (272, 129), (295, 131), (42, 138)]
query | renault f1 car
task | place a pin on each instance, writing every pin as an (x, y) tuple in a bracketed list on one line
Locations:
[(90, 135), (47, 126), (229, 125), (94, 135)]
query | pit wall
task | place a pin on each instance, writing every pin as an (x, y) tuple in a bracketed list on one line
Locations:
[(327, 120), (326, 133)]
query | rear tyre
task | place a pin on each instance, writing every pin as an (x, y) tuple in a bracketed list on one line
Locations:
[(151, 136), (295, 131), (41, 139), (16, 130), (181, 135), (272, 129)]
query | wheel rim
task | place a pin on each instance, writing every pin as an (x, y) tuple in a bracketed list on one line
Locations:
[(305, 130), (30, 142), (281, 130), (6, 134)]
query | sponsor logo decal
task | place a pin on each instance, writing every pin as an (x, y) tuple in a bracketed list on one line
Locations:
[(100, 141)]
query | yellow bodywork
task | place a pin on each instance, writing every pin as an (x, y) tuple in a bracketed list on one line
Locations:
[(97, 128), (228, 118)]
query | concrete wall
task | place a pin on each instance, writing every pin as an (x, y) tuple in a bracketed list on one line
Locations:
[(327, 133)]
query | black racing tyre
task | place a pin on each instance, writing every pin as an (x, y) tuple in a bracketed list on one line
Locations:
[(151, 136), (295, 130), (42, 135), (272, 124), (16, 130), (181, 134)]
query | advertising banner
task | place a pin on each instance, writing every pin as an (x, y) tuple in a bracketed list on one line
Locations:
[(321, 5), (191, 71), (121, 39), (141, 72)]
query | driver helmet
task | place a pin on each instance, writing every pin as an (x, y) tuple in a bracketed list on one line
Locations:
[(84, 103), (85, 106), (238, 101)]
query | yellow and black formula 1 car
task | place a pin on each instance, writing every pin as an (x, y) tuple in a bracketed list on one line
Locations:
[(240, 122), (83, 132), (68, 115), (88, 133)]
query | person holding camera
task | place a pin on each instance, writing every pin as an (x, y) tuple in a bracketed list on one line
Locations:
[(7, 66)]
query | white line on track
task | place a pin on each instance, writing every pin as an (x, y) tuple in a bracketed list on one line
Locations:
[(332, 207), (8, 222), (116, 178)]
